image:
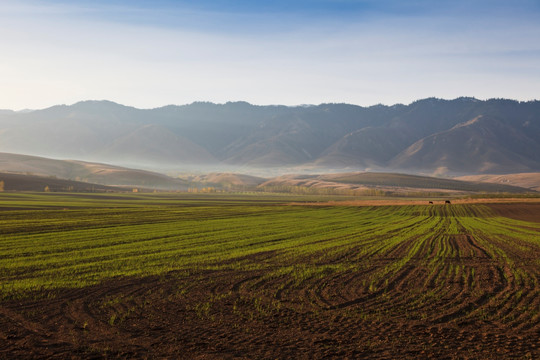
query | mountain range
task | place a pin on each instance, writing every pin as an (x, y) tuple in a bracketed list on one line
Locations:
[(431, 136)]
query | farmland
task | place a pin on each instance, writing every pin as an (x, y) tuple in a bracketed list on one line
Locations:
[(266, 276)]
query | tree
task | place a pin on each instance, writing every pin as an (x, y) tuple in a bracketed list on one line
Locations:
[(2, 186)]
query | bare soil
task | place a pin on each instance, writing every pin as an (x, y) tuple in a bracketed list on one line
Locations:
[(519, 211), (226, 315)]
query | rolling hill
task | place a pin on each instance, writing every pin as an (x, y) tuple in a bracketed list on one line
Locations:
[(524, 180), (228, 180), (385, 183), (22, 182), (81, 171), (31, 173)]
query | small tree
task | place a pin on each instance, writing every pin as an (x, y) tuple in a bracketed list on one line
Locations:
[(46, 189), (2, 186)]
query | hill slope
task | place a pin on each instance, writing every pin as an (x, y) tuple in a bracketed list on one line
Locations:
[(483, 144), (87, 172), (21, 182), (387, 182), (524, 180)]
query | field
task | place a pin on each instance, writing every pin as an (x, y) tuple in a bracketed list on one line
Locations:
[(217, 276)]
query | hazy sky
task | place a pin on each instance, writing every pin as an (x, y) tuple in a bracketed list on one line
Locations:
[(153, 53)]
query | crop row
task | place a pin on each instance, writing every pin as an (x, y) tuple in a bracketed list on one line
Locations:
[(444, 263)]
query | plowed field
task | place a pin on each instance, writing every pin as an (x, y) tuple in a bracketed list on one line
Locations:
[(212, 277)]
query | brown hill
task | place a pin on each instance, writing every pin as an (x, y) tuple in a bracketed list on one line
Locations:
[(386, 182), (21, 182), (229, 180), (524, 180), (87, 172)]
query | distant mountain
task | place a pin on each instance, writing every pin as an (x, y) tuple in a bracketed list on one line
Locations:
[(365, 148), (484, 144), (434, 136), (156, 145)]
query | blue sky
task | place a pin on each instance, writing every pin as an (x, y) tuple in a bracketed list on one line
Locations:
[(153, 53)]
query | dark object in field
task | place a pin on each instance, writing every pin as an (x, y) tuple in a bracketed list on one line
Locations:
[(447, 201), (431, 202)]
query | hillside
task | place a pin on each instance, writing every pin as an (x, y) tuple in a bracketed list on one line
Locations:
[(34, 173), (21, 182), (431, 136), (87, 172), (483, 144), (385, 182), (524, 180)]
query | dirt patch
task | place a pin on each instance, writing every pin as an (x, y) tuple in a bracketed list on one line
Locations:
[(518, 211), (247, 315)]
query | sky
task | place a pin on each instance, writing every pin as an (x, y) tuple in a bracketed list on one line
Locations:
[(149, 54)]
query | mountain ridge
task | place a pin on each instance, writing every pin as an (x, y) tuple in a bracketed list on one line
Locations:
[(432, 136)]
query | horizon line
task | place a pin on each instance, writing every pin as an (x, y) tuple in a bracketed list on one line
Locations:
[(470, 98)]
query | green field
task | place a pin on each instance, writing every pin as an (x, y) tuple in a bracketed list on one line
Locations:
[(76, 240), (190, 275)]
